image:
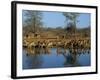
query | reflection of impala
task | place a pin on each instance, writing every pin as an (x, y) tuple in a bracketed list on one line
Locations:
[(37, 51)]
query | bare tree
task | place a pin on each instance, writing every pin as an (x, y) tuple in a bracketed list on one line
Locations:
[(32, 19)]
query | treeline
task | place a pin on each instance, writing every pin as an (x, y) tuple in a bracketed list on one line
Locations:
[(59, 31)]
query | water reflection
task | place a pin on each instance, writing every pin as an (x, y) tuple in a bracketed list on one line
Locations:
[(55, 57), (31, 61), (72, 55), (37, 51)]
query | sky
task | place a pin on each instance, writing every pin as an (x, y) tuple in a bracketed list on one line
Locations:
[(56, 19)]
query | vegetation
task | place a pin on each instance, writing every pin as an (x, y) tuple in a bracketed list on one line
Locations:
[(35, 33), (33, 21)]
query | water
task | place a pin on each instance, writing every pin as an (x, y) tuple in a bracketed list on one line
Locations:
[(54, 58)]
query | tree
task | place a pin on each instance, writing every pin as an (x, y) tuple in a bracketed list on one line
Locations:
[(32, 19), (70, 27), (71, 18)]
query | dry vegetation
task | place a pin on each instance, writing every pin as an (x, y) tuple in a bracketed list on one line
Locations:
[(35, 35)]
